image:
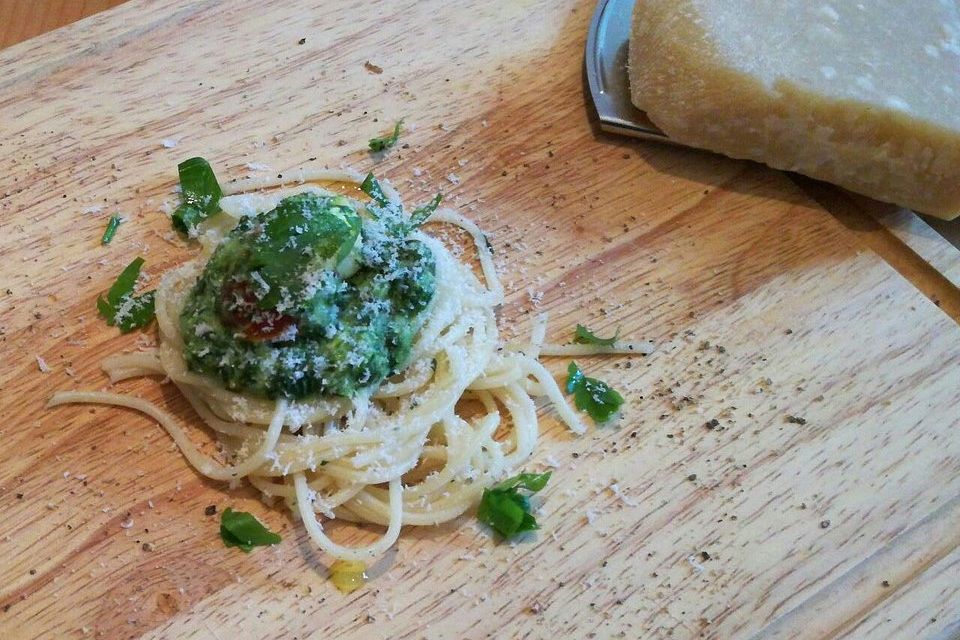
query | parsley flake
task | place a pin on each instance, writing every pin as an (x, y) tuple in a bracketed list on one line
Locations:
[(121, 308), (240, 529), (111, 229), (200, 193), (585, 336), (505, 509), (594, 396), (385, 142)]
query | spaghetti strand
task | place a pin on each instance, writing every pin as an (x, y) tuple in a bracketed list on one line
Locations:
[(332, 456)]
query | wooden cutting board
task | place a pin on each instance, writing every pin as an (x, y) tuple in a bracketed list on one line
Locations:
[(822, 503)]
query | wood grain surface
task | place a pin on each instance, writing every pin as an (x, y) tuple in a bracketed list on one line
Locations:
[(23, 19), (821, 504)]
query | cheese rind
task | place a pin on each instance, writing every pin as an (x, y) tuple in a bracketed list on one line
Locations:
[(866, 98)]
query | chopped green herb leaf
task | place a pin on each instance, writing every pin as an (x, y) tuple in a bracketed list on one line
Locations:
[(111, 229), (200, 193), (241, 529), (591, 395), (121, 308), (585, 336), (127, 279), (532, 482), (423, 212), (140, 313), (505, 509), (186, 218), (105, 310), (371, 187), (508, 513), (385, 142)]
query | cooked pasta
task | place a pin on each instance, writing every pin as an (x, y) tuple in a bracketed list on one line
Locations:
[(418, 449)]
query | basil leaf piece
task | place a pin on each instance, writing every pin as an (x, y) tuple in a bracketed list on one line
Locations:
[(385, 142), (423, 212), (105, 309), (121, 308), (371, 187), (141, 312), (240, 529), (530, 481), (585, 336), (596, 397), (506, 510), (125, 282), (200, 193), (186, 218), (111, 229)]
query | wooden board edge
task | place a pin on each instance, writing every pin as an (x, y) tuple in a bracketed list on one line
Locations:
[(43, 55), (928, 263)]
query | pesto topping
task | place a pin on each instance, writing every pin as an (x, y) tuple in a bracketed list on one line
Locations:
[(310, 298)]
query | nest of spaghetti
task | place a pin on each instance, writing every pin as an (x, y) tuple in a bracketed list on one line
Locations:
[(415, 448)]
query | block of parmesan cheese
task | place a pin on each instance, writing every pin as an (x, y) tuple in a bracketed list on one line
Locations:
[(864, 94)]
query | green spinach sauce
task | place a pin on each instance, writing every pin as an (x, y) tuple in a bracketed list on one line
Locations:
[(309, 299)]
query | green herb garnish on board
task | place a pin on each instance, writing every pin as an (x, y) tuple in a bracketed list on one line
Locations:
[(121, 308), (385, 142), (200, 193), (506, 509), (594, 396), (111, 229), (240, 529), (585, 336)]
